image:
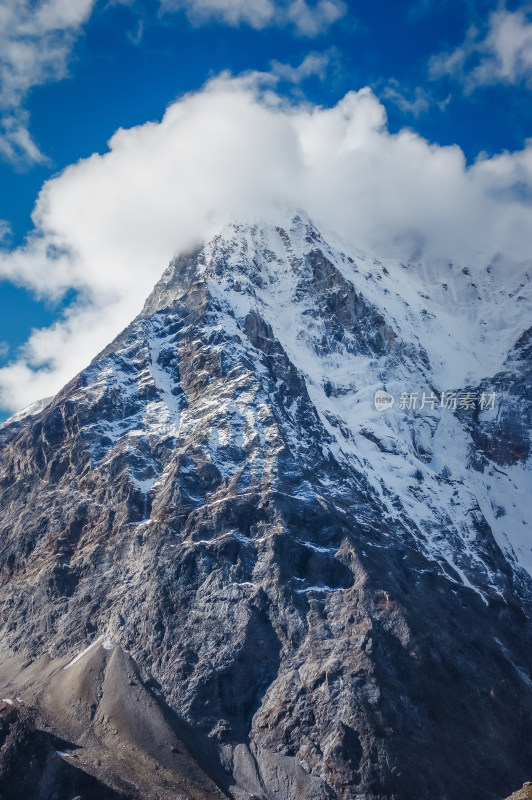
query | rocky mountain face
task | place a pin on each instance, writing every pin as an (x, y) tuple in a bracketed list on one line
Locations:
[(523, 794), (224, 572)]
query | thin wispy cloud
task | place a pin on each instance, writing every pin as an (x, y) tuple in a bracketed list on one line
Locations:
[(500, 54), (306, 19), (313, 65), (5, 231), (416, 101), (135, 36), (36, 41)]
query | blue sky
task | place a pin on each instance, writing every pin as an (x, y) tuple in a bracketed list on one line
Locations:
[(72, 74)]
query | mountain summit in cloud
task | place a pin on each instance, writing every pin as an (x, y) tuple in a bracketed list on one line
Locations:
[(236, 149), (227, 569)]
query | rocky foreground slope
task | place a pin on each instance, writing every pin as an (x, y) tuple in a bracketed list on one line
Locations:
[(223, 572), (523, 794)]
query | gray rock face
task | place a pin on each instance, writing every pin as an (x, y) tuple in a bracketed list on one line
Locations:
[(31, 767), (328, 602)]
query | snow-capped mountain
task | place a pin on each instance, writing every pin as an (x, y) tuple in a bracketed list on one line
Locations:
[(294, 494)]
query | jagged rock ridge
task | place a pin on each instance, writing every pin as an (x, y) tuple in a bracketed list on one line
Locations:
[(330, 602)]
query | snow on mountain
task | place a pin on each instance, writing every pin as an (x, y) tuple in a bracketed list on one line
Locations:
[(418, 461), (29, 411)]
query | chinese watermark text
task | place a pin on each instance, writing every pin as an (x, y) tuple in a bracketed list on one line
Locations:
[(452, 401)]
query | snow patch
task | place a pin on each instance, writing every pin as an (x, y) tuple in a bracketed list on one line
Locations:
[(84, 652)]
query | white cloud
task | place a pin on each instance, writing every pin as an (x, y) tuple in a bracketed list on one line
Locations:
[(416, 101), (308, 19), (135, 36), (313, 20), (5, 230), (502, 54), (108, 225), (36, 39), (313, 65)]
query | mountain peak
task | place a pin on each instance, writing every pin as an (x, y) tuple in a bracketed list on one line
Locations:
[(307, 574)]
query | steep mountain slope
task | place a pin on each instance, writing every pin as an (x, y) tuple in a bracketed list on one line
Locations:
[(326, 601), (523, 794)]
